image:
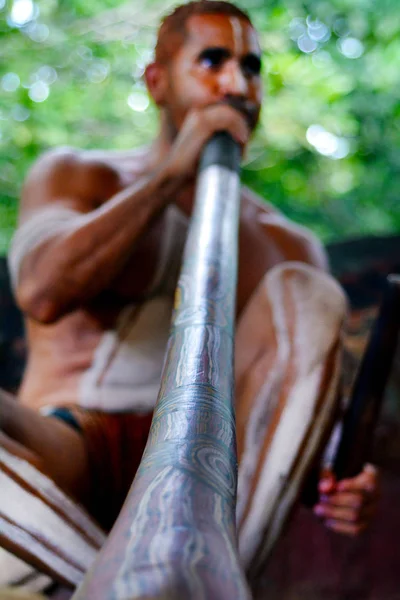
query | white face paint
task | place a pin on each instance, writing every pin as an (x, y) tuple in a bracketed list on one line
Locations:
[(233, 78), (237, 34)]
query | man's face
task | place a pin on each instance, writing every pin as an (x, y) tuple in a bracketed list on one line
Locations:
[(219, 62)]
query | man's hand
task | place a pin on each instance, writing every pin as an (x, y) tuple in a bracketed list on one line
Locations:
[(199, 125), (347, 506)]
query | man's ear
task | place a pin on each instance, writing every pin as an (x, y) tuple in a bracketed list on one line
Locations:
[(156, 81)]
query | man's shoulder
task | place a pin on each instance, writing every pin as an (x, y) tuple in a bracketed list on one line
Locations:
[(296, 241), (265, 213), (67, 161), (254, 204), (68, 156), (69, 173)]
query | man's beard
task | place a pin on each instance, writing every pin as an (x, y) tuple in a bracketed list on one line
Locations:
[(246, 108)]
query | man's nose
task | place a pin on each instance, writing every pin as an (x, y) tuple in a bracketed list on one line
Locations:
[(232, 81)]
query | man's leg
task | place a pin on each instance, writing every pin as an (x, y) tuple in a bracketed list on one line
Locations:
[(52, 446), (287, 375)]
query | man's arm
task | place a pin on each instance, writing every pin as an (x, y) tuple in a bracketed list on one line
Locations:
[(69, 269)]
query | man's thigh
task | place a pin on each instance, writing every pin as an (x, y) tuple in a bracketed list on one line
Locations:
[(287, 378), (289, 330), (51, 445)]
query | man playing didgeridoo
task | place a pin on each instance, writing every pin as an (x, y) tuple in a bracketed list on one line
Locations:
[(94, 265)]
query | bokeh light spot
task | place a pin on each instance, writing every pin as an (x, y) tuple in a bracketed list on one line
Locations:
[(38, 32), (306, 44), (47, 74), (340, 27), (98, 71), (351, 47), (84, 52), (20, 113), (10, 82), (326, 143), (138, 101), (39, 91), (22, 11), (297, 28), (317, 30)]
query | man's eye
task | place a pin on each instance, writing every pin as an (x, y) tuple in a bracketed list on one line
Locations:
[(251, 65), (212, 59)]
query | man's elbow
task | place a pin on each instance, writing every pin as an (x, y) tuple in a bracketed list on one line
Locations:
[(37, 304)]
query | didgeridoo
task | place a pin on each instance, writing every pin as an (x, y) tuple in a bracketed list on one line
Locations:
[(175, 537)]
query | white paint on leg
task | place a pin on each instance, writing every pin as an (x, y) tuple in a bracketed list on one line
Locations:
[(319, 308)]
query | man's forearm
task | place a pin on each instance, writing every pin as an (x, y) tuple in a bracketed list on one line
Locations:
[(68, 270)]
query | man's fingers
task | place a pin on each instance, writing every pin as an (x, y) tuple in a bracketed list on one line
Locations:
[(349, 505), (370, 468), (199, 126), (351, 529), (349, 499), (344, 499), (342, 513), (222, 116), (366, 481), (347, 513)]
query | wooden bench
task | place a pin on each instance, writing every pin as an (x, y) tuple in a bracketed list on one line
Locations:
[(42, 526)]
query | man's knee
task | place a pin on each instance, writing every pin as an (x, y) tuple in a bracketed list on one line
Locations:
[(296, 307), (307, 293)]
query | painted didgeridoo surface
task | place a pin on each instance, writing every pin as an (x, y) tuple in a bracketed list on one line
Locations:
[(175, 537)]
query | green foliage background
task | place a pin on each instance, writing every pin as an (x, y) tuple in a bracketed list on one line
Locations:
[(327, 148)]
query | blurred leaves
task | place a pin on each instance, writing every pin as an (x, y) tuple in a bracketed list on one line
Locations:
[(327, 148)]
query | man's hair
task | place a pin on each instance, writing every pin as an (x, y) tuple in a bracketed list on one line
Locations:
[(172, 32)]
